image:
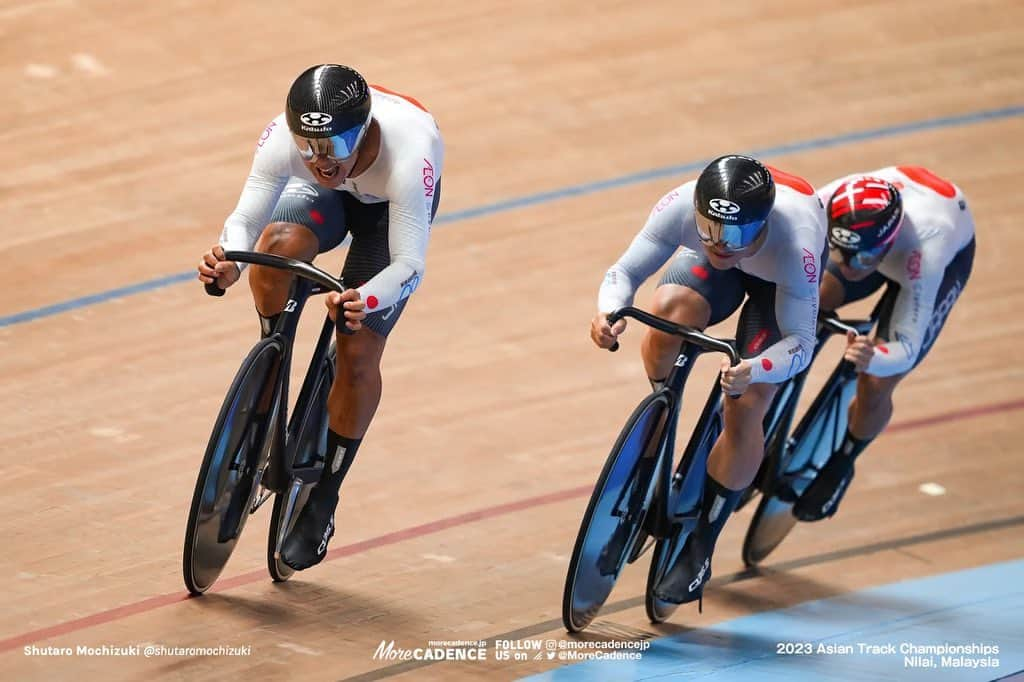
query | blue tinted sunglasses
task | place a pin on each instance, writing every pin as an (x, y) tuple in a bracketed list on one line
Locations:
[(336, 148)]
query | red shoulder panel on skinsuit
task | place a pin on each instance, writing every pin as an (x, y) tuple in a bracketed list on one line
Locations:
[(926, 178), (791, 181), (412, 101)]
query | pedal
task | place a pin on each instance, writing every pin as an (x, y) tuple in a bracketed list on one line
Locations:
[(262, 496), (307, 475)]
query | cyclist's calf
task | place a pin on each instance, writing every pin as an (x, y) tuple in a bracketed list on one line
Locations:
[(357, 386), (359, 355), (871, 409), (737, 455), (270, 286)]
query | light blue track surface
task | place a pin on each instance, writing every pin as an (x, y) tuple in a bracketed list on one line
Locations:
[(981, 606), (566, 192)]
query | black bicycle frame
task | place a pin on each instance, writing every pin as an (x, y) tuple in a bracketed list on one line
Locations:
[(309, 282), (284, 333), (660, 519), (779, 419), (783, 409)]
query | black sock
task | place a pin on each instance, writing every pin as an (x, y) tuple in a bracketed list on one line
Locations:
[(340, 453), (267, 324), (851, 447), (716, 505)]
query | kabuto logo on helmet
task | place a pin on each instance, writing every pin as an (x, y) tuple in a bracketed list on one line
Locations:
[(723, 209), (844, 237), (316, 119)]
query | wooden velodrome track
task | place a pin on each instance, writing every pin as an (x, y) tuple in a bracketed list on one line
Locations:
[(128, 131)]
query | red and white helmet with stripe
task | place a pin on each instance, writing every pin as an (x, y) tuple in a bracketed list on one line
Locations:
[(864, 216)]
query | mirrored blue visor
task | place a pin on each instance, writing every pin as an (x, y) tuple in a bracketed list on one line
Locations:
[(845, 247), (865, 259), (338, 147), (730, 236)]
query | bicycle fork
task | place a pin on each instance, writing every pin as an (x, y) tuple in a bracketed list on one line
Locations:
[(267, 451)]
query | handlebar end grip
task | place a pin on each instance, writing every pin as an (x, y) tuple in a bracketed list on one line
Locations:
[(213, 290), (615, 347)]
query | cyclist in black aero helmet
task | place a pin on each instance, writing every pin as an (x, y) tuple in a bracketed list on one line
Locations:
[(742, 231), (328, 114), (345, 158), (733, 197)]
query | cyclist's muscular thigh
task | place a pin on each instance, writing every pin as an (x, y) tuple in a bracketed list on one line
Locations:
[(270, 286), (694, 293), (682, 305)]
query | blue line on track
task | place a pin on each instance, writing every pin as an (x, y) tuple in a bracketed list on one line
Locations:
[(971, 618), (91, 299), (566, 192)]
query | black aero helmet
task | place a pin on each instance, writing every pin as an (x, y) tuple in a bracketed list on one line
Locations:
[(328, 111), (733, 198)]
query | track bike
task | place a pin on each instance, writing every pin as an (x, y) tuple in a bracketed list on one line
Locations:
[(257, 450)]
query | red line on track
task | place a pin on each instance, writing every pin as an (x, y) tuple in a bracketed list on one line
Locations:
[(255, 576), (955, 415), (410, 533)]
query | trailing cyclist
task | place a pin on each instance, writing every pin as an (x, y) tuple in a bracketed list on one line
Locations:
[(907, 229)]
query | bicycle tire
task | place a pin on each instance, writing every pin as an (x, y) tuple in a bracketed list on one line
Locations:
[(814, 440), (598, 557), (706, 432), (224, 488)]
